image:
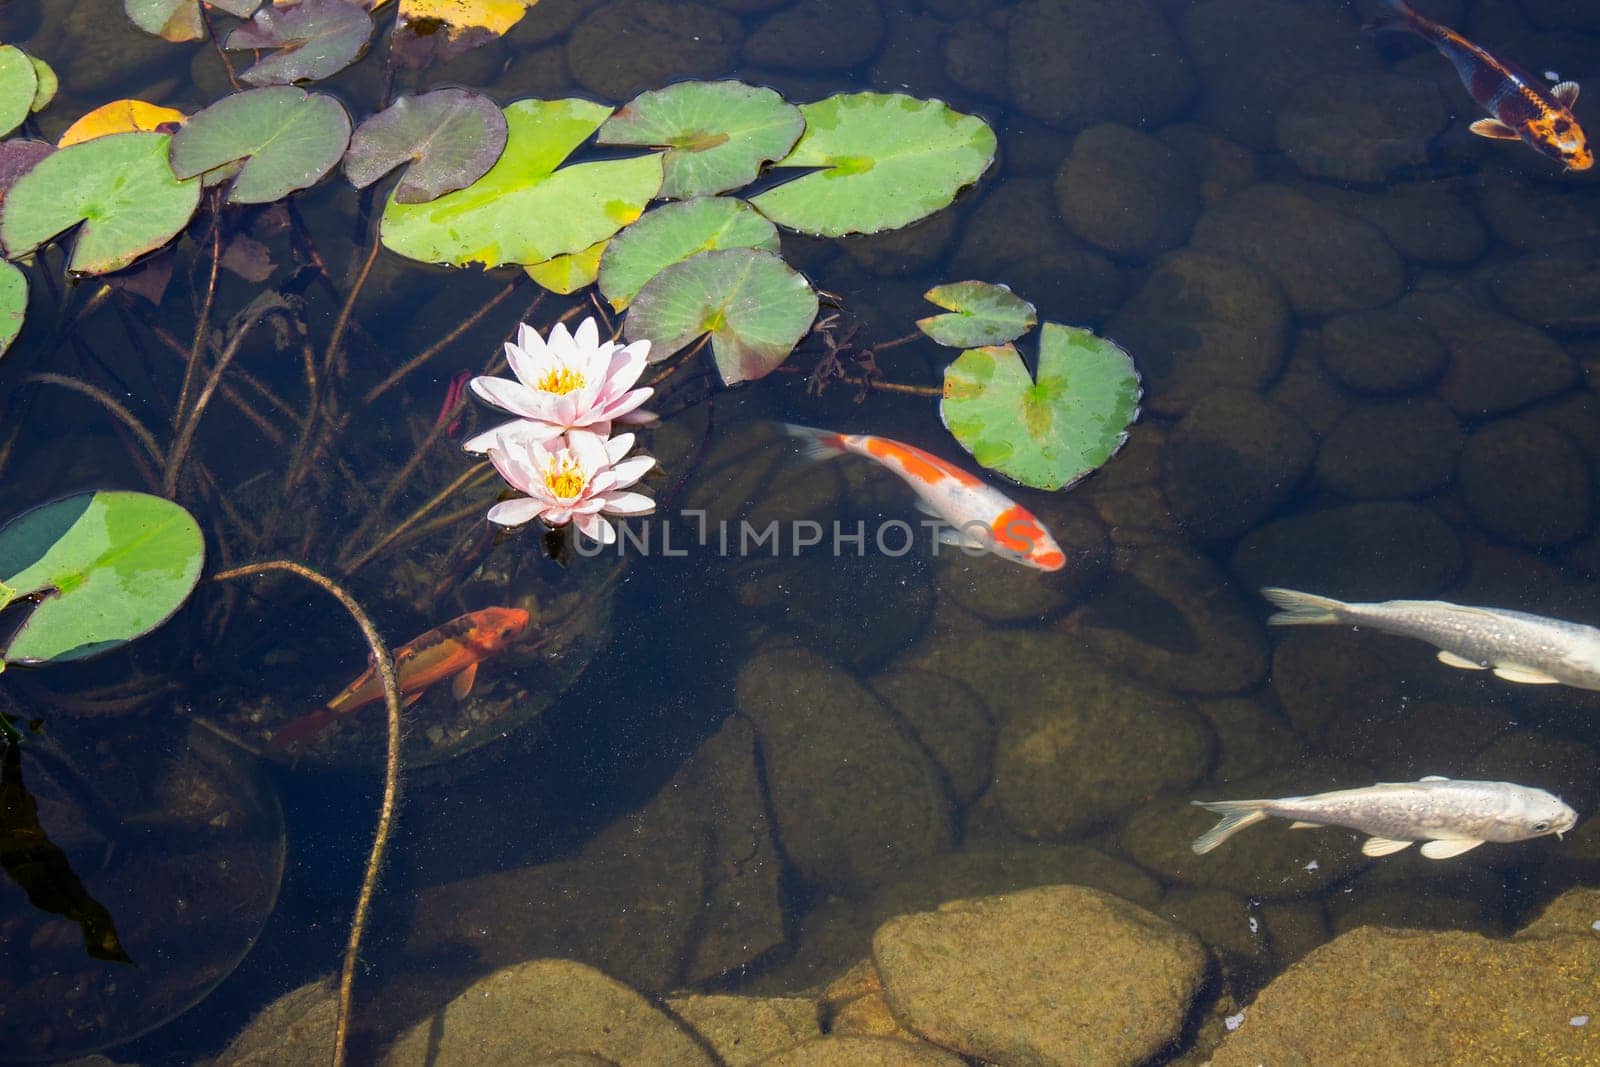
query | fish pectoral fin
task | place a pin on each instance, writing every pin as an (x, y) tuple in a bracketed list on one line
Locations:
[(461, 685), (1443, 850), (1450, 659), (1434, 778), (1566, 92), (1526, 675), (411, 698), (1301, 824), (1494, 129), (1382, 846), (949, 535)]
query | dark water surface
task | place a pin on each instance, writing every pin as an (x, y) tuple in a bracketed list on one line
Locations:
[(1366, 338)]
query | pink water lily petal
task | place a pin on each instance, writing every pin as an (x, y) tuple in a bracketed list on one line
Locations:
[(631, 470), (618, 446), (518, 512), (596, 528), (514, 466), (637, 418), (511, 434), (626, 403), (602, 481), (511, 396), (628, 503), (589, 506), (625, 367), (524, 363), (587, 336), (588, 449)]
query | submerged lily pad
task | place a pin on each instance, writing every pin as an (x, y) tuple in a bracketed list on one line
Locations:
[(13, 303), (754, 305), (120, 187), (717, 134), (118, 563), (673, 233), (567, 274), (1049, 432), (318, 38), (288, 138), (525, 210), (450, 138), (887, 160), (429, 30), (122, 116), (980, 314), (19, 83)]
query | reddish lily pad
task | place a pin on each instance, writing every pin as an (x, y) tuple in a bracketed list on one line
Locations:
[(429, 31), (450, 138), (17, 157), (318, 38), (289, 139)]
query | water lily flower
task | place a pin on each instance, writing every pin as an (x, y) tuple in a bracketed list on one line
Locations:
[(570, 381), (579, 476)]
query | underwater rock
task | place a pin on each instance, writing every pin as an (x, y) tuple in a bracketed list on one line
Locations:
[(1126, 192), (1305, 389), (1361, 127), (540, 72), (987, 871), (1000, 590), (542, 1008), (1231, 461), (1168, 617), (1526, 483), (1533, 215), (1576, 912), (970, 53), (863, 1052), (1558, 289), (908, 250), (1319, 674), (950, 721), (1072, 63), (817, 35), (745, 1030), (869, 1016), (1355, 1001), (1367, 551), (1251, 738), (1414, 893), (1199, 322), (556, 19), (1381, 352), (1059, 974), (1326, 260), (1230, 926), (1427, 222), (1062, 769), (98, 57), (296, 1030), (1221, 166), (664, 41), (1295, 927), (855, 799), (1390, 448)]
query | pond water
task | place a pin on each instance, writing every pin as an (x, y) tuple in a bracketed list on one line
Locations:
[(714, 768)]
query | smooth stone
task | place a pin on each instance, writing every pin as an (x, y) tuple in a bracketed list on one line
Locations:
[(295, 1030), (1384, 449), (1059, 974), (969, 54), (1528, 215), (1326, 260), (948, 719), (1126, 192), (663, 41), (1374, 550), (1354, 1001), (745, 1030), (556, 19), (1061, 770), (1526, 483), (1305, 389), (909, 250), (1000, 590), (542, 1008), (1223, 921), (817, 35), (1381, 352), (1222, 167), (1320, 673), (1427, 222), (1252, 738), (1168, 617), (868, 1016), (1361, 127), (834, 1051), (1558, 289), (1411, 891), (1232, 460), (1408, 738), (855, 799), (1072, 63), (1295, 927), (986, 871), (1199, 322)]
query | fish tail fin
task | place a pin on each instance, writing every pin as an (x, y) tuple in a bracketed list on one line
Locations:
[(814, 443), (1236, 815), (297, 732), (1303, 609), (1392, 15)]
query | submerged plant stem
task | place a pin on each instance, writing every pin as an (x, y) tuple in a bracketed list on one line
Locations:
[(202, 326), (473, 475), (384, 664), (446, 341)]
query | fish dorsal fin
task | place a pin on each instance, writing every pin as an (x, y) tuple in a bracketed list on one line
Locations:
[(1450, 659), (1443, 850), (1382, 846), (1434, 778), (461, 685), (1493, 129), (1566, 92), (1301, 824), (1526, 675)]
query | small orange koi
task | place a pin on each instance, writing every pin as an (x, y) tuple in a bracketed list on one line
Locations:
[(455, 648), (1523, 108), (951, 495)]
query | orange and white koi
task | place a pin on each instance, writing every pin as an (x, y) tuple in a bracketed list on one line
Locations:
[(977, 514), (452, 649), (1523, 108)]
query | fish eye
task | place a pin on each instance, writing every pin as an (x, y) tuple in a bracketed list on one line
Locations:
[(1541, 827)]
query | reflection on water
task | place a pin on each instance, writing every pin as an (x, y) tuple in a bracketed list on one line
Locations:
[(1366, 338)]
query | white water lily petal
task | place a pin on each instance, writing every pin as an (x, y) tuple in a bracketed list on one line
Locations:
[(518, 512), (618, 446), (511, 434), (510, 396), (638, 418), (589, 450), (596, 528), (628, 504), (631, 470)]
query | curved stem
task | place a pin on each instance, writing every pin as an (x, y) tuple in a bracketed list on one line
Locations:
[(469, 478), (107, 401), (202, 326), (384, 664), (180, 447)]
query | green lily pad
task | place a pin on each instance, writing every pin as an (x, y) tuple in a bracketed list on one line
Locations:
[(525, 210), (119, 564), (48, 84), (17, 157), (13, 303), (673, 233), (887, 160), (1046, 433), (119, 186), (317, 38), (289, 139), (450, 138), (717, 134), (980, 314), (754, 305), (180, 20), (567, 274), (19, 84)]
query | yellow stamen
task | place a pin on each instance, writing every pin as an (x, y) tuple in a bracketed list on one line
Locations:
[(560, 381), (565, 479)]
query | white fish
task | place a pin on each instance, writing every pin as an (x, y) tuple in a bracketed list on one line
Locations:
[(1452, 817), (1518, 647)]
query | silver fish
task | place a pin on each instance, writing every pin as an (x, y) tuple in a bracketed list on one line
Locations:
[(1518, 647), (1452, 817)]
